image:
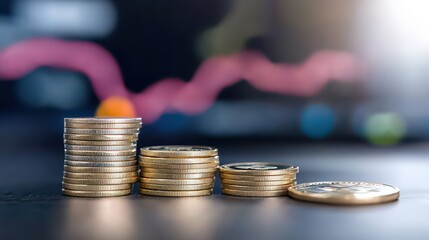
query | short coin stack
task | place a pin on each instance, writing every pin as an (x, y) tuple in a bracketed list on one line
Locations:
[(257, 179), (100, 156), (178, 171)]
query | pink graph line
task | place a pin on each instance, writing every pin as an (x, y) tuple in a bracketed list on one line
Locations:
[(173, 94)]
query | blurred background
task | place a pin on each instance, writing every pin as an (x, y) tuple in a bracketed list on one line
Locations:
[(154, 40)]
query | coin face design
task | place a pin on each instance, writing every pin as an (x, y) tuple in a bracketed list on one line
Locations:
[(179, 151), (258, 166), (345, 188), (180, 148)]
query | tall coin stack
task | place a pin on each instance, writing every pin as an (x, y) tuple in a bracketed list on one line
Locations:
[(178, 171), (257, 179), (100, 156)]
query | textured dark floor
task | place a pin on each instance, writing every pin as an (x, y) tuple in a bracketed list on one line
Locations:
[(31, 205)]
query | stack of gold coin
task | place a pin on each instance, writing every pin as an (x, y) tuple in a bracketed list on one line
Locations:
[(100, 156), (178, 171), (257, 179)]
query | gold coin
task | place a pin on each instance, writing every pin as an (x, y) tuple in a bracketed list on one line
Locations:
[(347, 193), (289, 177), (117, 193), (83, 187), (100, 181), (179, 161), (102, 120), (100, 131), (258, 168), (100, 158), (100, 143), (100, 164), (178, 151), (100, 169), (93, 137), (160, 193), (99, 148), (100, 175), (176, 187), (176, 181), (257, 188), (252, 183), (178, 176), (101, 153), (145, 164), (178, 171), (239, 193), (102, 125)]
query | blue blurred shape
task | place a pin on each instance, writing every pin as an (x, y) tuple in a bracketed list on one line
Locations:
[(66, 18), (53, 88), (317, 121)]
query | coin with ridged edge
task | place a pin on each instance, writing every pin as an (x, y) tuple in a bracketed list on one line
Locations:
[(99, 148), (178, 171), (178, 151), (254, 193), (87, 137), (343, 192), (201, 160), (251, 183), (83, 187), (178, 167), (100, 181), (178, 176), (289, 177), (176, 187), (100, 169), (100, 163), (160, 193), (176, 181), (100, 153), (100, 131), (117, 193), (102, 120), (257, 188), (258, 168), (103, 125), (100, 158), (100, 143), (100, 175)]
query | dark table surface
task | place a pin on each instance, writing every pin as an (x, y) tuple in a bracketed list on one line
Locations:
[(32, 207)]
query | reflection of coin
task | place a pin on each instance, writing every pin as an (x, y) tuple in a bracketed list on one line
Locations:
[(99, 148), (177, 181), (93, 137), (257, 188), (176, 193), (176, 187), (213, 164), (100, 163), (179, 171), (103, 125), (82, 187), (289, 177), (252, 183), (100, 175), (100, 169), (75, 193), (352, 193), (177, 176), (258, 168), (100, 131), (254, 193), (100, 181), (99, 158), (100, 143), (179, 161), (179, 151), (102, 120)]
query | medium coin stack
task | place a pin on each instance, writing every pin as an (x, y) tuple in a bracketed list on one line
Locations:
[(178, 171), (100, 156), (257, 179)]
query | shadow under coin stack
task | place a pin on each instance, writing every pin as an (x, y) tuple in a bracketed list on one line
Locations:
[(178, 171), (100, 156), (257, 179)]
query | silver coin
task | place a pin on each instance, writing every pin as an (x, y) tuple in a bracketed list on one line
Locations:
[(106, 120), (99, 163), (100, 131), (179, 151), (100, 143), (105, 137), (99, 158), (99, 148)]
